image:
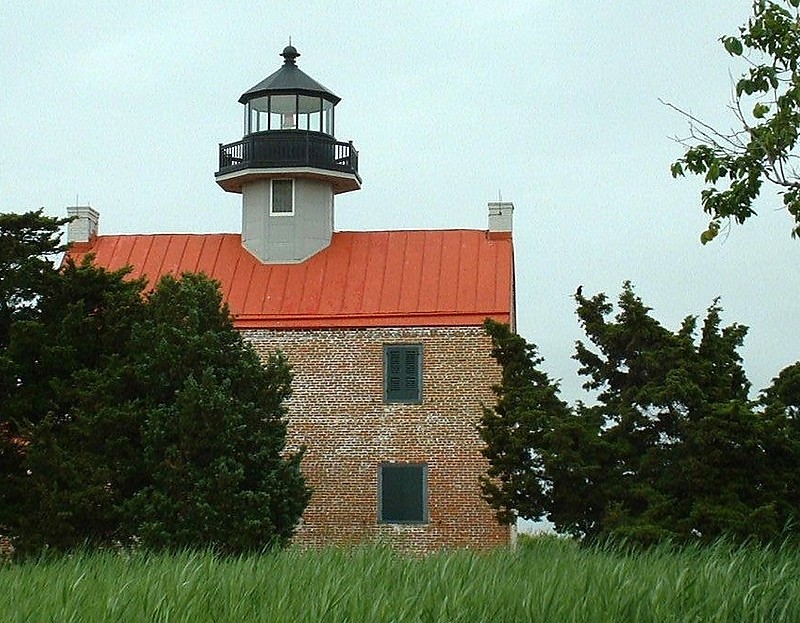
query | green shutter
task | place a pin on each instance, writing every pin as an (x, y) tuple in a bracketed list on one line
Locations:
[(403, 378), (403, 493), (394, 369)]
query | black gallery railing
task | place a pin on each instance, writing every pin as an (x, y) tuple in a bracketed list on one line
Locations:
[(288, 148)]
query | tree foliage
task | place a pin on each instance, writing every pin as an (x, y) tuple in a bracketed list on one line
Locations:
[(658, 393), (215, 428), (61, 358), (763, 145), (780, 405), (518, 480), (29, 246), (137, 416), (671, 447)]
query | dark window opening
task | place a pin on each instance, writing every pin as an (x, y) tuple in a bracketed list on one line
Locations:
[(403, 493)]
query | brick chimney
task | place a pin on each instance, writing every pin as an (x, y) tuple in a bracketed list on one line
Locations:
[(501, 216), (84, 227)]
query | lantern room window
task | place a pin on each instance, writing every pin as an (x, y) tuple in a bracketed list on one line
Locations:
[(289, 112)]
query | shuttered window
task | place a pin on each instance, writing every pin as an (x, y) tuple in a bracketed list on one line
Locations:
[(403, 493), (402, 369)]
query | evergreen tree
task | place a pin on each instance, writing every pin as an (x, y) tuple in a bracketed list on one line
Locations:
[(687, 447), (214, 429), (780, 404), (68, 408), (515, 429), (676, 416), (132, 416), (29, 246), (670, 447)]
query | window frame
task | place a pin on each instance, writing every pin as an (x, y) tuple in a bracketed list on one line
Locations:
[(393, 399), (425, 494), (272, 211)]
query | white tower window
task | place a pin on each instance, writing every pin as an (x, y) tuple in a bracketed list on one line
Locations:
[(282, 197)]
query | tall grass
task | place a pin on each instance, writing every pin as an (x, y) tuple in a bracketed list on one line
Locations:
[(544, 580)]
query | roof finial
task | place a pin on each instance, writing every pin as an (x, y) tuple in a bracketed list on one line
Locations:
[(289, 53)]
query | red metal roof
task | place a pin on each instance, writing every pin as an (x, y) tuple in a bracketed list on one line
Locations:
[(363, 279)]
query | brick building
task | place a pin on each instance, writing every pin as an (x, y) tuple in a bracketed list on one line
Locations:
[(383, 329)]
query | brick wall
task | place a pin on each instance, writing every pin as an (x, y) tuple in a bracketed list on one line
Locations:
[(337, 410)]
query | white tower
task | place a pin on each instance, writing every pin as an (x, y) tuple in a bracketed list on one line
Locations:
[(288, 166)]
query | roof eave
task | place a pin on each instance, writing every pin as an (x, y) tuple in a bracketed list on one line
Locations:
[(289, 80), (251, 95), (344, 321)]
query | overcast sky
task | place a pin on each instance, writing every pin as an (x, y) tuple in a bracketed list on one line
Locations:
[(551, 105)]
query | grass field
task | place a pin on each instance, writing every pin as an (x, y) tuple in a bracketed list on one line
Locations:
[(543, 580)]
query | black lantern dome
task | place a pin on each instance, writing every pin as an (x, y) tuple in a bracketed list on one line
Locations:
[(289, 99), (288, 123)]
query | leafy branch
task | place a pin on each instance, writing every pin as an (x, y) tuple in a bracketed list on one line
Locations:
[(736, 164)]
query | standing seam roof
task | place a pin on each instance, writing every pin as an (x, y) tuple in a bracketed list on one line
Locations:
[(363, 279)]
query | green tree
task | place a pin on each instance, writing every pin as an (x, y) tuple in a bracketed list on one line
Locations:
[(686, 448), (66, 408), (29, 248), (670, 446), (780, 404), (763, 145), (783, 394), (518, 483), (141, 416), (214, 430)]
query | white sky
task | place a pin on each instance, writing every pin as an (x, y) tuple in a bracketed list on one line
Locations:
[(553, 105)]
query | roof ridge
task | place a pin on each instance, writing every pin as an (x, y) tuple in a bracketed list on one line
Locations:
[(345, 231), (412, 231)]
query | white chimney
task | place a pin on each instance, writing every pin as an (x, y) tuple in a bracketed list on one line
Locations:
[(501, 215), (84, 226)]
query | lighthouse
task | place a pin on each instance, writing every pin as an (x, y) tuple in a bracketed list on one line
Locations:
[(288, 166)]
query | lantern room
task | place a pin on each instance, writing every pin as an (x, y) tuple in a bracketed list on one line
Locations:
[(288, 112), (288, 128), (289, 99)]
